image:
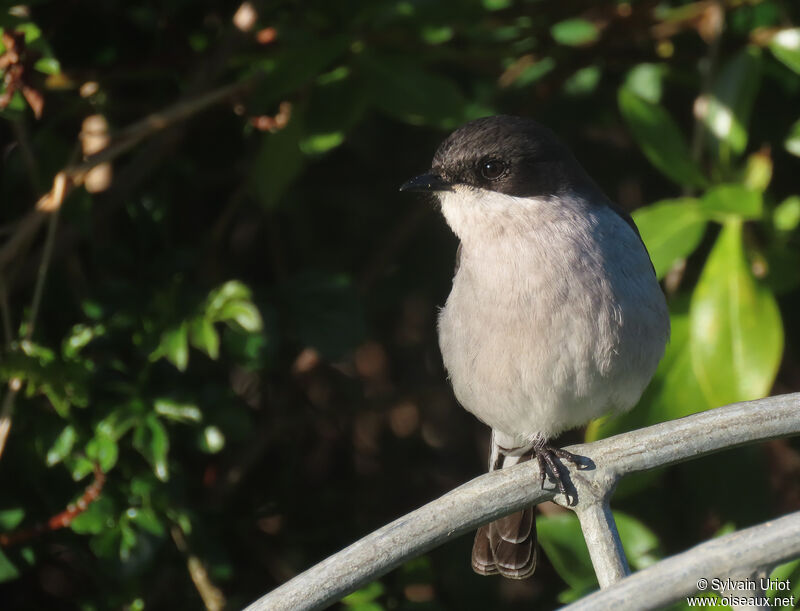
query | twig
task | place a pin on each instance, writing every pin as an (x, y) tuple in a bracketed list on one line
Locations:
[(44, 265), (502, 492), (73, 174), (213, 598), (677, 577)]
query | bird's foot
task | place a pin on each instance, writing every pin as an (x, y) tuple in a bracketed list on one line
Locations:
[(546, 456)]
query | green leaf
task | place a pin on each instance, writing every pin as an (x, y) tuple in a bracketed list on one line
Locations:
[(174, 346), (11, 518), (732, 201), (640, 543), (98, 517), (660, 139), (401, 88), (151, 440), (644, 80), (366, 594), (102, 449), (736, 333), (8, 571), (146, 519), (783, 575), (204, 337), (671, 230), (62, 446), (785, 45), (243, 313), (583, 82), (786, 216), (792, 142), (174, 410), (47, 65), (574, 32), (730, 101), (232, 290), (562, 540)]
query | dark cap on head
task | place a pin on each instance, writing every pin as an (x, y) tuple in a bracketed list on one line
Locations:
[(511, 155)]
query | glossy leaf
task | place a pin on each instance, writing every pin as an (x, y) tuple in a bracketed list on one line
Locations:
[(736, 333), (174, 346), (243, 313), (204, 337), (730, 101), (175, 410), (671, 230), (659, 138), (732, 200), (785, 45)]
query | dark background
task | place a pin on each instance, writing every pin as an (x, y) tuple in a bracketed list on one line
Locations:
[(325, 412)]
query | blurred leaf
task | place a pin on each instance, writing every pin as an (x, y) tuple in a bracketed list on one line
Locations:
[(574, 32), (758, 171), (98, 517), (79, 466), (174, 347), (293, 68), (204, 337), (562, 540), (436, 35), (731, 98), (583, 82), (733, 200), (278, 162), (102, 449), (212, 440), (48, 65), (367, 594), (786, 216), (640, 543), (11, 518), (671, 230), (644, 80), (8, 571), (333, 110), (401, 88), (788, 572), (62, 446), (496, 5), (146, 519), (232, 290), (243, 313), (151, 440), (792, 142), (659, 138), (180, 412), (736, 333), (785, 45)]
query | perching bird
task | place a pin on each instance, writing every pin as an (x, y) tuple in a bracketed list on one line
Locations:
[(555, 316)]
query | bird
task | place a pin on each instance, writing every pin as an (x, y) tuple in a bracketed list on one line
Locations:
[(555, 316)]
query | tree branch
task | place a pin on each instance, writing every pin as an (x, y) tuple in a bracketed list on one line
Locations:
[(499, 493)]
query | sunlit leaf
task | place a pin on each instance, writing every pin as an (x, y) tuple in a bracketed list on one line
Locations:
[(786, 216), (62, 446), (732, 200), (671, 230), (736, 333), (574, 32), (203, 336), (212, 440), (792, 142), (785, 45), (659, 138), (758, 171), (731, 98), (174, 346), (103, 450), (583, 82), (243, 313), (645, 81), (178, 411)]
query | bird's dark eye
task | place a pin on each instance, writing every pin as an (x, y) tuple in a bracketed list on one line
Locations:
[(492, 169)]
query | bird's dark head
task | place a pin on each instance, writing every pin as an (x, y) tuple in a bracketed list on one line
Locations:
[(510, 155)]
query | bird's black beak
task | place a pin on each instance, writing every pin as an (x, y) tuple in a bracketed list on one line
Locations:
[(426, 182)]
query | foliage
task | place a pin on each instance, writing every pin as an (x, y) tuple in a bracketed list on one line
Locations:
[(238, 328)]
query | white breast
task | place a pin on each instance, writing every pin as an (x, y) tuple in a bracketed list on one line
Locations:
[(555, 316)]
